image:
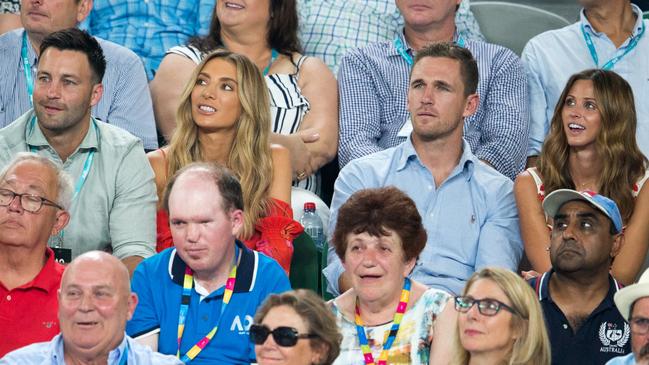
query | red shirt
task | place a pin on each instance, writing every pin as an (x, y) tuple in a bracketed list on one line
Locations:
[(28, 313)]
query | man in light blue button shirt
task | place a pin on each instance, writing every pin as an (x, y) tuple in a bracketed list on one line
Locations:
[(95, 301), (114, 201), (618, 41), (468, 208)]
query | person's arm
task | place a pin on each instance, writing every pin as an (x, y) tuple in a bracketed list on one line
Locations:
[(504, 116), (539, 123), (132, 216), (159, 165), (131, 108), (319, 86), (534, 228), (500, 239), (131, 263), (166, 88), (360, 109), (280, 187), (630, 260), (145, 321), (444, 334)]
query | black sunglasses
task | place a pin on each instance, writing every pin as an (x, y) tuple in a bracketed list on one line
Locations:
[(283, 336)]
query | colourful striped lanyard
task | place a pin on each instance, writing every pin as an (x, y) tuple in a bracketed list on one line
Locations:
[(188, 284), (396, 322), (27, 67), (593, 52), (403, 52)]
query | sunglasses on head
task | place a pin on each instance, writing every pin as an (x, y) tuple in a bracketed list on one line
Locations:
[(283, 336)]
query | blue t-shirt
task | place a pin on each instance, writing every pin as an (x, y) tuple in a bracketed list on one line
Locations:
[(158, 284)]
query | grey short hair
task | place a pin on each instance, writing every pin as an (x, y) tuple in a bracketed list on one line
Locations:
[(63, 179)]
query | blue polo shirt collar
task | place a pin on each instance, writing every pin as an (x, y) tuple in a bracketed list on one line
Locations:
[(636, 30), (245, 271), (465, 167), (542, 288)]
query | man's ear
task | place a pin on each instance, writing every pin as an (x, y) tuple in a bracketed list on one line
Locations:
[(236, 219), (618, 241), (97, 92), (472, 102), (83, 10), (61, 220)]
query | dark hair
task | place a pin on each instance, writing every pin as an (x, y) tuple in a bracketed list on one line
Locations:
[(468, 64), (223, 179), (623, 164), (319, 319), (282, 30), (74, 39), (375, 211)]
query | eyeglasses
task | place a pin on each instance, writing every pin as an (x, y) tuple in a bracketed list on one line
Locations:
[(639, 325), (29, 202), (283, 336), (487, 307)]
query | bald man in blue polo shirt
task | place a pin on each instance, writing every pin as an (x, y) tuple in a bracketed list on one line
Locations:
[(576, 295), (198, 299)]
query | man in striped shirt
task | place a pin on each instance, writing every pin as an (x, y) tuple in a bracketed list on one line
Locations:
[(373, 83)]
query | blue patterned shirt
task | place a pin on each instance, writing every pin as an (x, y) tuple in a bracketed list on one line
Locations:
[(329, 28), (373, 87), (149, 27), (51, 353), (552, 57), (125, 103), (471, 217)]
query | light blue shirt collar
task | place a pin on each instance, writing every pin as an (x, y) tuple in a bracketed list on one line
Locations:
[(465, 166), (37, 139), (392, 50), (58, 354), (636, 30)]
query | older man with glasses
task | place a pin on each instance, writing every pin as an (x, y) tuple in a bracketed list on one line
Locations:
[(633, 304), (34, 197)]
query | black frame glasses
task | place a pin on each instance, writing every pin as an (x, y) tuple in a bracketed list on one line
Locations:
[(29, 202), (487, 306), (283, 336)]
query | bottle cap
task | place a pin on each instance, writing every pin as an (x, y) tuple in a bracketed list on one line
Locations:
[(309, 206)]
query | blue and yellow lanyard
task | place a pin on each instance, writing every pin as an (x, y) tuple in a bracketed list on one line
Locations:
[(593, 52)]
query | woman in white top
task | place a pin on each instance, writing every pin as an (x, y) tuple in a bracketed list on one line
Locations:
[(591, 146), (304, 94)]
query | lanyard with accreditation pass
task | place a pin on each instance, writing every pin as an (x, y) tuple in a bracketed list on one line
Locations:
[(403, 52), (610, 63), (188, 284), (61, 254), (396, 322), (27, 68)]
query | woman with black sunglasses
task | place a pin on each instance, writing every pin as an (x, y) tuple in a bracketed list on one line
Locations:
[(295, 328), (499, 322)]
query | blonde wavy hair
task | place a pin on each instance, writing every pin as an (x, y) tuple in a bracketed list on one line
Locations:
[(532, 347), (623, 163), (250, 155)]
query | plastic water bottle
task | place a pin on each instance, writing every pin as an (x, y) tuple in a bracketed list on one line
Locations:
[(312, 224)]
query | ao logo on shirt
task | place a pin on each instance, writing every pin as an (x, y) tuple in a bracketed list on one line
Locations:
[(613, 337), (241, 327)]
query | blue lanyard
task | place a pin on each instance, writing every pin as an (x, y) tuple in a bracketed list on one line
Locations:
[(273, 57), (124, 359), (401, 48), (84, 173), (27, 67), (593, 52)]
